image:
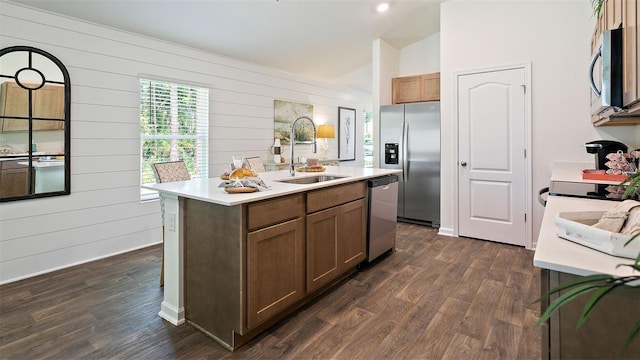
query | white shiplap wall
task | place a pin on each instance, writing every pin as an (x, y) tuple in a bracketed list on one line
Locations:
[(103, 215)]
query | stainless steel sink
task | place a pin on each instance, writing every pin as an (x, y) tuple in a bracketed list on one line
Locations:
[(310, 179)]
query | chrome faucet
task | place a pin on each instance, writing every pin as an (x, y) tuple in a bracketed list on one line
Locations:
[(292, 138)]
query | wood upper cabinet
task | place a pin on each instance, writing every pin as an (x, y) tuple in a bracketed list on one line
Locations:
[(416, 88), (336, 232), (48, 103), (613, 14)]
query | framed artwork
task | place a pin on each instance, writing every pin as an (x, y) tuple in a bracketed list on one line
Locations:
[(284, 113), (346, 134)]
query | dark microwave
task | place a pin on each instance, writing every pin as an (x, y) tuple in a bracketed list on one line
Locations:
[(605, 74)]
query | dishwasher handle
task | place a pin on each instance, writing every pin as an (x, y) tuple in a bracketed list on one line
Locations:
[(383, 181)]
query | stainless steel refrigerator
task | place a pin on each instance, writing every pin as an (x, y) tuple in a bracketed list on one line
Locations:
[(410, 141)]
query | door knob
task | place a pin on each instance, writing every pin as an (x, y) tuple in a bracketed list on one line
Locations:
[(464, 163)]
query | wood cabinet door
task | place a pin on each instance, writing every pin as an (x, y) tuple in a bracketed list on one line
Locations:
[(275, 270), (613, 13), (430, 87), (352, 234), (13, 179), (14, 101), (416, 88), (48, 102), (631, 39), (322, 247), (405, 89)]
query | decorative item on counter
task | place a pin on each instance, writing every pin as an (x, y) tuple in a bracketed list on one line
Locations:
[(585, 228), (225, 174), (240, 173), (619, 165), (243, 180), (312, 168), (237, 162), (276, 151)]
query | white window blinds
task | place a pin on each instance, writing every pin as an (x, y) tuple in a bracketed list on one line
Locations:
[(174, 125)]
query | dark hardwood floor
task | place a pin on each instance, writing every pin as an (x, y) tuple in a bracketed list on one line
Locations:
[(435, 297)]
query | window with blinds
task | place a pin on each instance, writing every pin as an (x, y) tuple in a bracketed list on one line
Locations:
[(174, 125)]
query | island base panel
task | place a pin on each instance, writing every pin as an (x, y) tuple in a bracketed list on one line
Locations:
[(603, 334), (214, 256)]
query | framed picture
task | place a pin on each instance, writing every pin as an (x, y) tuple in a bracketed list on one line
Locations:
[(346, 134), (284, 113)]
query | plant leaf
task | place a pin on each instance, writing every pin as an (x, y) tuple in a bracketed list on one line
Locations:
[(595, 298), (564, 298), (597, 7), (578, 281), (635, 331), (633, 186)]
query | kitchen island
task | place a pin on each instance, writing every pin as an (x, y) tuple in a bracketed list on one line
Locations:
[(603, 335), (237, 263)]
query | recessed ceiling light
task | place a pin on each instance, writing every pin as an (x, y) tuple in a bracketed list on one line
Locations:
[(382, 7)]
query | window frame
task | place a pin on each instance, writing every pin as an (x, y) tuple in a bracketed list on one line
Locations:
[(199, 167)]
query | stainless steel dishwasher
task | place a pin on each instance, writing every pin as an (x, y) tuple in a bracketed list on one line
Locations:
[(383, 214)]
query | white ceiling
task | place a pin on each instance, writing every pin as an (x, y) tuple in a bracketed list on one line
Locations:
[(321, 39)]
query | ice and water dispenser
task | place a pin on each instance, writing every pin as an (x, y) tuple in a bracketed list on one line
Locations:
[(391, 154)]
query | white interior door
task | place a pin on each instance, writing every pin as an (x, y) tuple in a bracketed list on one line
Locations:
[(491, 151)]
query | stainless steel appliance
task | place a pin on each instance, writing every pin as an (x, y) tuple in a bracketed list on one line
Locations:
[(602, 148), (606, 75), (383, 210), (410, 141)]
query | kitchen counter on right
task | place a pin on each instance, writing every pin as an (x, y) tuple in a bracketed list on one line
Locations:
[(556, 253), (603, 335), (572, 172)]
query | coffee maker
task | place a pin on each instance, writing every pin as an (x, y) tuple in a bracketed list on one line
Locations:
[(601, 148)]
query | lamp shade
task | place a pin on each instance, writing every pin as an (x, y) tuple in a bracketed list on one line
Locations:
[(326, 132)]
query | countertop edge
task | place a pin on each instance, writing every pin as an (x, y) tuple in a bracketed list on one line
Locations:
[(207, 189)]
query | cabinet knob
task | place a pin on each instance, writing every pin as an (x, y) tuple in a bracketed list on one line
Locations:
[(463, 163)]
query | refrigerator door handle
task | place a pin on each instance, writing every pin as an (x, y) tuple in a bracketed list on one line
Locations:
[(405, 151)]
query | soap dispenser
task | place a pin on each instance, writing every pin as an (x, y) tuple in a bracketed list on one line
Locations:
[(276, 151)]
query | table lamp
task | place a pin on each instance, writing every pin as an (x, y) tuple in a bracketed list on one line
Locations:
[(325, 132)]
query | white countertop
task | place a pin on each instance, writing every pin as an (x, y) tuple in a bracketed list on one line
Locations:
[(572, 172), (44, 164), (555, 253), (208, 190)]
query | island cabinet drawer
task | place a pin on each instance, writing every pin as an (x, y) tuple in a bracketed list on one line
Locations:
[(274, 211), (337, 195)]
